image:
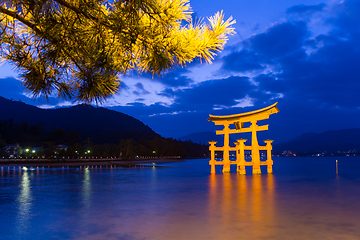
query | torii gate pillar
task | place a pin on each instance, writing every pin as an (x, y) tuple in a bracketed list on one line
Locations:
[(255, 153), (240, 156), (226, 149), (269, 159)]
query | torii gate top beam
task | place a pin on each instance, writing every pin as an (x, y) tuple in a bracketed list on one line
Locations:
[(257, 115)]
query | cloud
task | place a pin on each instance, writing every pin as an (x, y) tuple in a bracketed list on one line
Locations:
[(302, 9), (317, 90), (172, 80), (346, 20), (269, 83), (175, 78), (207, 94), (279, 40), (243, 61), (140, 90), (327, 76), (123, 87)]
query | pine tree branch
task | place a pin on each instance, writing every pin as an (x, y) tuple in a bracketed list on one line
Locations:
[(78, 11), (21, 19), (38, 31)]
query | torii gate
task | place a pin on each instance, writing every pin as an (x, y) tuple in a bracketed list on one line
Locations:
[(238, 120)]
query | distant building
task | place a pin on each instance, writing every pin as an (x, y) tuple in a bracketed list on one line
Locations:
[(60, 149), (288, 153), (12, 150)]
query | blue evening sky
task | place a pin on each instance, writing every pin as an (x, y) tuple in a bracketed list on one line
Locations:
[(303, 54)]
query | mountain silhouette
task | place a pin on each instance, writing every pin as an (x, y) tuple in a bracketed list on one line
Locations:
[(330, 141), (99, 124)]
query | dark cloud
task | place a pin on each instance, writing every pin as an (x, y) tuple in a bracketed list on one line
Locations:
[(138, 109), (279, 40), (140, 90), (140, 86), (269, 83), (242, 61), (175, 81), (347, 21), (328, 76), (209, 93), (301, 9), (123, 86), (173, 78), (315, 80)]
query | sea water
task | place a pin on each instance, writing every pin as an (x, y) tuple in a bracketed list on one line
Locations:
[(303, 199)]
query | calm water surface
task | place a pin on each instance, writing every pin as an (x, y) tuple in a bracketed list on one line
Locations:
[(303, 199)]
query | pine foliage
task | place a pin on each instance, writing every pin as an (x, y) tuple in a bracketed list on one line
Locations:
[(79, 49)]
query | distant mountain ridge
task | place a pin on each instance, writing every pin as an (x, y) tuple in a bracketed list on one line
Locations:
[(334, 140), (100, 124), (329, 141)]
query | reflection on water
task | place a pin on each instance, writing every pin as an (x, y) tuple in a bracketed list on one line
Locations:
[(24, 200), (303, 199), (244, 203), (86, 189)]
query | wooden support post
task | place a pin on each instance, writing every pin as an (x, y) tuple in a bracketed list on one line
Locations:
[(240, 156), (226, 159), (255, 154), (269, 160), (212, 154)]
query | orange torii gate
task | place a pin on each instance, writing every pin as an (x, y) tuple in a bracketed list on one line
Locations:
[(239, 120)]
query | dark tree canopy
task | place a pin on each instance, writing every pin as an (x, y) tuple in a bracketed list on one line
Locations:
[(79, 49)]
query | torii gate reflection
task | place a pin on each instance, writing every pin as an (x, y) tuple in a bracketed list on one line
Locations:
[(239, 120)]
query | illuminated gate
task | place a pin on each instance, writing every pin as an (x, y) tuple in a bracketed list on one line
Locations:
[(239, 120)]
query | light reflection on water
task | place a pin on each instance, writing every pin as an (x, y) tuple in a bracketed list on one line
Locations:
[(241, 204), (86, 189), (303, 199), (24, 200)]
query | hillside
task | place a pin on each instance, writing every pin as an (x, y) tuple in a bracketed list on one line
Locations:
[(329, 141), (101, 125)]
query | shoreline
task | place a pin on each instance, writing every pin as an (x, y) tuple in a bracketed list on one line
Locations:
[(84, 162)]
